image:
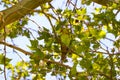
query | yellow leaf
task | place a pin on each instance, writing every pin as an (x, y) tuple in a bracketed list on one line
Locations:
[(74, 56), (102, 34)]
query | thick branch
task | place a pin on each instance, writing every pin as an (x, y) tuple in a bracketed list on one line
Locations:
[(20, 10), (105, 2), (17, 48)]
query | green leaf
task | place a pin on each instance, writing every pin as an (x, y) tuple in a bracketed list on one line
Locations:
[(26, 33), (73, 71), (79, 49), (96, 45), (2, 60), (45, 35), (65, 39), (34, 43), (65, 36)]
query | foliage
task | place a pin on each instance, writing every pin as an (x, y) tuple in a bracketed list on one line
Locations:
[(75, 34)]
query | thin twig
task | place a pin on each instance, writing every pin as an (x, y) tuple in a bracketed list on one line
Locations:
[(109, 39), (36, 24), (94, 51), (5, 54), (51, 25), (58, 63), (103, 44), (30, 32), (19, 56), (103, 74), (111, 67)]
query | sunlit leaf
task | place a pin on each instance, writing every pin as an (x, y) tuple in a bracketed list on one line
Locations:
[(4, 59)]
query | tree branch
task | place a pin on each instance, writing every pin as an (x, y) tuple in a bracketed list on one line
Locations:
[(20, 10), (17, 48), (58, 63), (30, 54), (104, 2)]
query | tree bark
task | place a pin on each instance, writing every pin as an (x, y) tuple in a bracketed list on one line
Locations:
[(105, 2), (19, 10)]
